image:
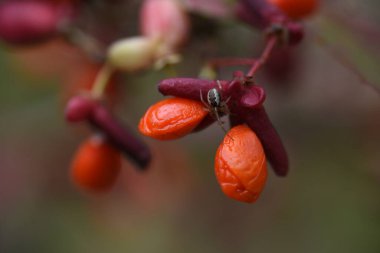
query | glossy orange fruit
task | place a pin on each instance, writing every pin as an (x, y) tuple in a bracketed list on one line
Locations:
[(240, 165), (96, 165), (296, 9), (172, 118)]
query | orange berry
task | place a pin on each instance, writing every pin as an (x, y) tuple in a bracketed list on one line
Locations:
[(296, 9), (96, 165), (172, 118), (240, 165)]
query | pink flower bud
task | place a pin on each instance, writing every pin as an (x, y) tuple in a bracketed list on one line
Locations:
[(165, 20), (23, 22)]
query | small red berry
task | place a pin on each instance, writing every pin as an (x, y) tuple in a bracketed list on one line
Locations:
[(96, 165)]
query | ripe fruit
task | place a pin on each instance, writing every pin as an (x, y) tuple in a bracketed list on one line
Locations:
[(296, 9), (240, 165), (96, 165), (172, 118)]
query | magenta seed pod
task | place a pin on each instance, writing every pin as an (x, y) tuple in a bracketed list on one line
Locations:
[(25, 22), (190, 88), (79, 108), (260, 123), (82, 108)]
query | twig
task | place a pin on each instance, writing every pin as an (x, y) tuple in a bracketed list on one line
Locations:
[(339, 57)]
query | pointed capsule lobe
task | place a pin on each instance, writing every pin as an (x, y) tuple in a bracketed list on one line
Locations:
[(240, 165), (172, 118)]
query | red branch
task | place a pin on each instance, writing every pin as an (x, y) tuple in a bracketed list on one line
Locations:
[(270, 44)]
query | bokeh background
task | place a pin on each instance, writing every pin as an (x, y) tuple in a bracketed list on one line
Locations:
[(328, 118)]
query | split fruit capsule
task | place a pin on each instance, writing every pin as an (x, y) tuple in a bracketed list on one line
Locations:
[(172, 118), (96, 165), (240, 165)]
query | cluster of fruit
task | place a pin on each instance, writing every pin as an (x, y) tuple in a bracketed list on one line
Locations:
[(240, 162)]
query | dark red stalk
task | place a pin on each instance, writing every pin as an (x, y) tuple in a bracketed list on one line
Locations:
[(249, 110), (259, 122), (82, 108), (270, 44), (120, 136)]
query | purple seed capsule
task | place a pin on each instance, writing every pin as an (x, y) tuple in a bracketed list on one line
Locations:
[(253, 97), (190, 88), (260, 123)]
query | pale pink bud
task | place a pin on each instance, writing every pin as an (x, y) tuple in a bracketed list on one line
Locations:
[(165, 20)]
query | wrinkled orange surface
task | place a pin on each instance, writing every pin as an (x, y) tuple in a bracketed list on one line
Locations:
[(296, 9), (240, 165), (96, 165), (172, 118)]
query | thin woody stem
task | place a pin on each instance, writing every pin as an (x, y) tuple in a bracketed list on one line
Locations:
[(270, 44), (256, 63), (101, 81), (338, 56), (90, 45)]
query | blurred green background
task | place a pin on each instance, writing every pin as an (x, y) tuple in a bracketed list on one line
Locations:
[(328, 119)]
